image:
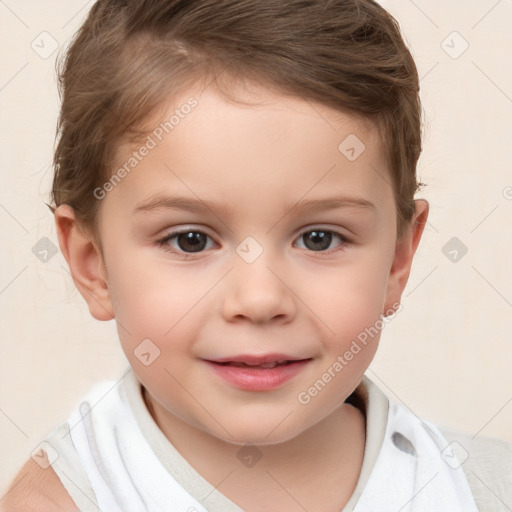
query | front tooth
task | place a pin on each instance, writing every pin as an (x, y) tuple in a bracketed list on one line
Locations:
[(273, 364)]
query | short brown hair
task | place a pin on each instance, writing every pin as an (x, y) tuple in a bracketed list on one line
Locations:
[(129, 56)]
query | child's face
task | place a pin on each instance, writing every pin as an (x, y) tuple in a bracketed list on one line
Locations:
[(251, 279)]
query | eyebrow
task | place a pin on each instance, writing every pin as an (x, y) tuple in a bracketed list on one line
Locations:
[(195, 205)]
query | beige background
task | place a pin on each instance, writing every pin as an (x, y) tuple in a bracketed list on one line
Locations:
[(447, 355)]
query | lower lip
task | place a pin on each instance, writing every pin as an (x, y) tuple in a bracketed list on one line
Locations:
[(258, 379)]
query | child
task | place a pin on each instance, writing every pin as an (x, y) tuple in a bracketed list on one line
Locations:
[(262, 129)]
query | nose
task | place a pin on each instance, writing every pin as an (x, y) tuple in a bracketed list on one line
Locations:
[(258, 292)]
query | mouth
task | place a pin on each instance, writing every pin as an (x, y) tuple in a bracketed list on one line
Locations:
[(258, 373), (270, 365), (267, 361)]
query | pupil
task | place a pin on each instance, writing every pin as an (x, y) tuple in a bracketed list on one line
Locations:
[(192, 241), (323, 238)]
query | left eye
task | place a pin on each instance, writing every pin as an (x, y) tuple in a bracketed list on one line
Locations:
[(191, 241), (320, 239)]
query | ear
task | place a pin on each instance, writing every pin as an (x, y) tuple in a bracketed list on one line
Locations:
[(406, 246), (85, 262)]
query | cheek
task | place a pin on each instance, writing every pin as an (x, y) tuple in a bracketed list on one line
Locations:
[(159, 302), (354, 294), (153, 296), (352, 310)]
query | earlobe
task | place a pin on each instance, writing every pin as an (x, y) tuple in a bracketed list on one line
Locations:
[(406, 246), (85, 263)]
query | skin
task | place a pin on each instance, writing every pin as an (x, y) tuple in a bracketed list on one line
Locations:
[(296, 299)]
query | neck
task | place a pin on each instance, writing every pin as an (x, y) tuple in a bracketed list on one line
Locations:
[(327, 457)]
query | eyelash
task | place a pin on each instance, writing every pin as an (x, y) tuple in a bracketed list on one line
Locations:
[(163, 242)]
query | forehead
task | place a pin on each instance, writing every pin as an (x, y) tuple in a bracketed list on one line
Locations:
[(263, 146)]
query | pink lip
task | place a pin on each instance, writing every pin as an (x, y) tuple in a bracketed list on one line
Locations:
[(258, 379), (257, 359)]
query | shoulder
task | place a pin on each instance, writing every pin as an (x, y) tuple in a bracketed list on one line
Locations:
[(481, 452), (35, 489), (487, 464)]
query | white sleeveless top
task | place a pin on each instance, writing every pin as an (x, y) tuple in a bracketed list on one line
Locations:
[(110, 455)]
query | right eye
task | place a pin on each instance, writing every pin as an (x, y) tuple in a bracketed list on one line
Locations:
[(185, 242)]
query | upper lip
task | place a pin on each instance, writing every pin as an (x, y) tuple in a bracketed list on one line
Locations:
[(257, 359)]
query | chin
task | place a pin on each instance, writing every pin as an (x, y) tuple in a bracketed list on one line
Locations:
[(256, 433)]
